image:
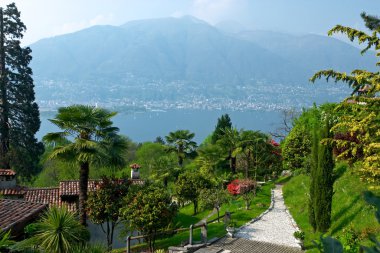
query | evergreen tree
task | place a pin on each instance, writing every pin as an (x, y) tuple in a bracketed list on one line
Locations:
[(313, 172), (324, 181), (224, 122), (19, 115)]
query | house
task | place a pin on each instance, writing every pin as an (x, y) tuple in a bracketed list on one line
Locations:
[(16, 214), (7, 179)]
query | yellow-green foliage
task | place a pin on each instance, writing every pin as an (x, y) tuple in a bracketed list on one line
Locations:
[(363, 122), (363, 118), (349, 210)]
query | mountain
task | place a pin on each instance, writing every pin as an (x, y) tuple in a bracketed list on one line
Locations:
[(172, 60), (165, 49), (314, 52)]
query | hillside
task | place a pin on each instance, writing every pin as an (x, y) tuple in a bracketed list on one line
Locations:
[(164, 61), (349, 210)]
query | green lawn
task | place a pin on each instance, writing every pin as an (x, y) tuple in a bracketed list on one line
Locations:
[(241, 216), (349, 210)]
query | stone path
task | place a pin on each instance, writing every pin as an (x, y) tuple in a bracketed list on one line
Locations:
[(276, 226)]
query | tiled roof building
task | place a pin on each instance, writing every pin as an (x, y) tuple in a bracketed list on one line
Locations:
[(49, 196), (16, 214)]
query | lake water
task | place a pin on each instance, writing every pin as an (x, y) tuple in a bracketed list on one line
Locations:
[(146, 126)]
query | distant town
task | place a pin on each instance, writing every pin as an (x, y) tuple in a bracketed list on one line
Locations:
[(158, 95)]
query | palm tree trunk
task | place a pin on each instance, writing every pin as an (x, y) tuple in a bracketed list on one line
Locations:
[(83, 184)]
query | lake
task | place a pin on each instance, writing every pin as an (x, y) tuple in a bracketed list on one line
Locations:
[(146, 126)]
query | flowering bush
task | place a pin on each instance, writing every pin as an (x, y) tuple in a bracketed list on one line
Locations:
[(245, 187), (234, 187)]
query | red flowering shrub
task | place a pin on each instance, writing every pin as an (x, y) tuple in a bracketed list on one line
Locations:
[(245, 187), (237, 186), (234, 187)]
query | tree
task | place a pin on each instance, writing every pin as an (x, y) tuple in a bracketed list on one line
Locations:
[(164, 169), (224, 122), (19, 115), (361, 115), (213, 198), (256, 149), (230, 141), (208, 158), (181, 143), (189, 186), (104, 205), (322, 180), (288, 117), (149, 210), (57, 231), (95, 141)]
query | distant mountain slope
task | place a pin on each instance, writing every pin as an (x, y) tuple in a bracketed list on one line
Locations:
[(165, 49), (314, 52)]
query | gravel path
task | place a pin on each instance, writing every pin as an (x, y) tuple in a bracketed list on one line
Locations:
[(276, 226)]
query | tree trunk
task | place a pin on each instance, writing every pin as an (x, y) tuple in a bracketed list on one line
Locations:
[(83, 184), (248, 164), (195, 202), (4, 110), (233, 164), (166, 182)]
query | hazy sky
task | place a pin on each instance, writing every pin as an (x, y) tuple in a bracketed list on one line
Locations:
[(46, 18)]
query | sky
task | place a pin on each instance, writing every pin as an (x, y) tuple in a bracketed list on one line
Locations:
[(47, 18)]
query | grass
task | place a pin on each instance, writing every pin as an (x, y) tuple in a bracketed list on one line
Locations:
[(349, 210), (185, 218)]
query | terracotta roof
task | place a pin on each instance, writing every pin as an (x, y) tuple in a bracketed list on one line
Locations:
[(5, 172), (48, 196), (15, 214), (71, 188), (16, 191)]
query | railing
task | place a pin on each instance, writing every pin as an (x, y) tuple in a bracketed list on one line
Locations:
[(203, 227)]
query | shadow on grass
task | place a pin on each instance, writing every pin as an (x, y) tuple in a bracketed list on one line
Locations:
[(283, 180), (345, 221), (346, 208)]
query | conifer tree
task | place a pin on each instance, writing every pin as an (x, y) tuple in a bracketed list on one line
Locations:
[(224, 122), (313, 172), (19, 115), (322, 180)]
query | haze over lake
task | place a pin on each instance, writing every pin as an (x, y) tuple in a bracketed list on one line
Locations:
[(146, 126)]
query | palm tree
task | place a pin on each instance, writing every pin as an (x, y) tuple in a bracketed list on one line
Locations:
[(180, 142), (253, 144), (93, 141), (58, 231), (231, 140), (209, 157)]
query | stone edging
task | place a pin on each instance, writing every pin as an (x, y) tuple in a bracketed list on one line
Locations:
[(294, 223)]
